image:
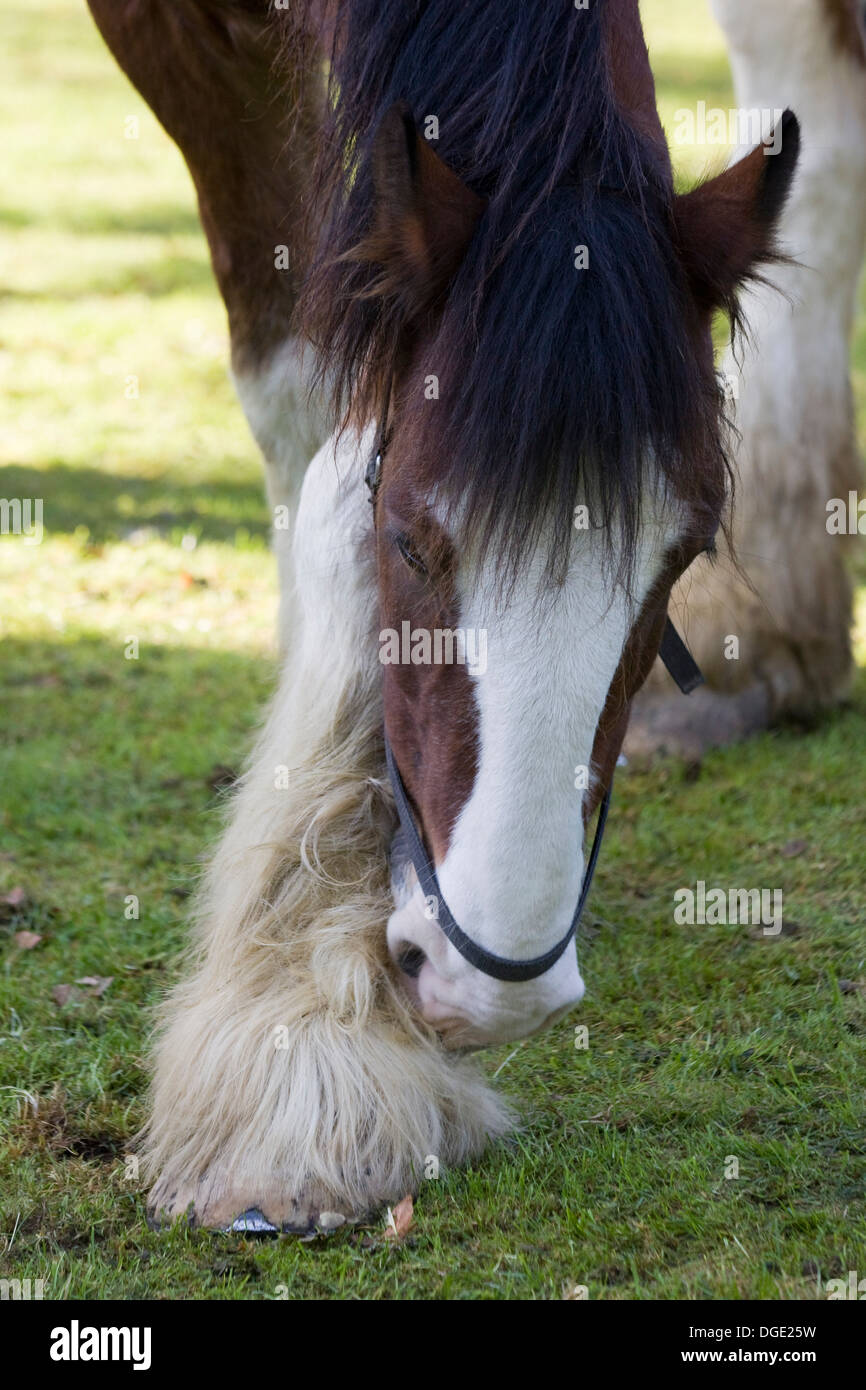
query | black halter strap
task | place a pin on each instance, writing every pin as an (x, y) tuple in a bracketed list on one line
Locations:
[(684, 670), (679, 660), (497, 966)]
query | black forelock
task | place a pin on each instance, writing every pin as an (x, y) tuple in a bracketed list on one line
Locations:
[(552, 378), (573, 382)]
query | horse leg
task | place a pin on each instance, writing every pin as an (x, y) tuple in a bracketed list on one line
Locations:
[(294, 1087), (776, 644), (219, 77)]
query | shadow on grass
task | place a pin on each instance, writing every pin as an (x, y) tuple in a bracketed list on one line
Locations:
[(112, 506)]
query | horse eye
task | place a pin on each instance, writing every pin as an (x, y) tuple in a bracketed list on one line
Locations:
[(411, 557)]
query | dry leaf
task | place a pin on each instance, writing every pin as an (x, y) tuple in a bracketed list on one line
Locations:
[(602, 1118), (26, 940), (12, 903), (794, 848), (399, 1222), (96, 984), (61, 994)]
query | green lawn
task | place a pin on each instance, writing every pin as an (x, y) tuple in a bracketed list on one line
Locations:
[(702, 1044)]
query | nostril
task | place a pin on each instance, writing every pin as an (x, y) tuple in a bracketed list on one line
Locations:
[(410, 959)]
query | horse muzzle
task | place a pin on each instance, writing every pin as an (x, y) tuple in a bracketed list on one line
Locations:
[(468, 1008)]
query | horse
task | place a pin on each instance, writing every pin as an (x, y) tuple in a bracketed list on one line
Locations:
[(790, 606), (510, 308)]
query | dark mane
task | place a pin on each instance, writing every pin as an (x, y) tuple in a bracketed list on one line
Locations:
[(553, 380)]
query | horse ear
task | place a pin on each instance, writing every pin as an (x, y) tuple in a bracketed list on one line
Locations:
[(424, 216), (727, 226)]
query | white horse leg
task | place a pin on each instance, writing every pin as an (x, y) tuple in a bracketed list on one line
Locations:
[(289, 428), (292, 1078), (793, 408)]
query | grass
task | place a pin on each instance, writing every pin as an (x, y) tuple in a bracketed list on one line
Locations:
[(703, 1045)]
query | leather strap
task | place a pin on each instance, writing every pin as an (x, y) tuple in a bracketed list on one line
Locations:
[(685, 671), (498, 966), (679, 660)]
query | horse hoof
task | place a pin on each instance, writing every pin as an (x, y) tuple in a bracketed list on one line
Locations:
[(247, 1209)]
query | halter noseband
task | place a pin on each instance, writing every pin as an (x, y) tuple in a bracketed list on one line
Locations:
[(681, 666)]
